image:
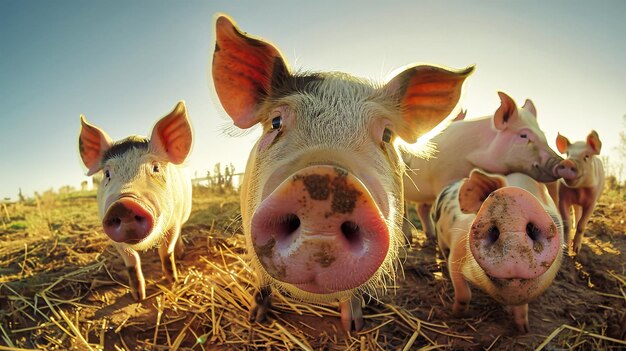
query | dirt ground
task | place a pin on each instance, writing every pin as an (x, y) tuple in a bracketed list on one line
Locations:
[(62, 286)]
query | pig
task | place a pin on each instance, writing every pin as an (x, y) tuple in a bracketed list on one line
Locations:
[(321, 197), (503, 234), (145, 194), (509, 141), (581, 184)]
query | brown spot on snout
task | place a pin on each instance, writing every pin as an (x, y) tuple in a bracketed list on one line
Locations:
[(317, 185), (321, 187), (324, 257)]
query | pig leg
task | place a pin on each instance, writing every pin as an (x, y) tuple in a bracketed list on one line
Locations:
[(462, 292), (407, 225), (351, 314), (167, 253), (261, 304), (423, 211), (564, 210), (581, 226), (135, 276), (520, 315)]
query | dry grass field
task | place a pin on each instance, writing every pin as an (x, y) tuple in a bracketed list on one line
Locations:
[(62, 287)]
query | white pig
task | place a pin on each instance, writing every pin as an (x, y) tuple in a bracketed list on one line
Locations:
[(582, 182), (145, 194), (503, 235), (321, 198), (509, 141)]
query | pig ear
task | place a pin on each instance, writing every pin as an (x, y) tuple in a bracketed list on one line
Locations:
[(506, 113), (427, 94), (593, 140), (243, 71), (562, 143), (477, 188), (460, 116), (92, 144), (530, 107), (172, 135)]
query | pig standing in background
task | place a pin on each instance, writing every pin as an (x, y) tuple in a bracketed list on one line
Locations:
[(145, 194), (509, 141), (582, 183), (503, 235), (321, 198)]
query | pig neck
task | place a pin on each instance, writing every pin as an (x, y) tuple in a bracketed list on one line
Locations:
[(471, 142)]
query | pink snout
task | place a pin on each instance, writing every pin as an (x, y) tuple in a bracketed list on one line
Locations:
[(513, 236), (126, 221), (320, 231), (567, 169)]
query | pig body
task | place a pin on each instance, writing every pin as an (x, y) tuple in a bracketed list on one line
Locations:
[(509, 141), (145, 194), (321, 198), (581, 185), (503, 235)]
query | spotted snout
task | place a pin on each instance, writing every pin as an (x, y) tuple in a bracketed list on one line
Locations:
[(321, 231), (513, 237), (127, 221)]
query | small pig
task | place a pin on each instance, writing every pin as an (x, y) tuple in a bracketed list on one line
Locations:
[(504, 235), (145, 194), (321, 198), (509, 141), (582, 183)]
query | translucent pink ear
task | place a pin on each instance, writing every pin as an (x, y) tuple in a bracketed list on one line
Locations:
[(92, 144), (562, 143), (172, 136), (593, 140), (243, 71), (427, 96), (530, 107), (506, 113), (477, 188)]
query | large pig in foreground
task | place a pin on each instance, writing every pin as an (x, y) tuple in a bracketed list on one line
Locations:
[(145, 194), (509, 141), (321, 198), (582, 183), (503, 235)]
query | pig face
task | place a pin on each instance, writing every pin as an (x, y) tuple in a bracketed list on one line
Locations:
[(578, 166), (140, 178), (516, 237), (322, 193), (522, 144)]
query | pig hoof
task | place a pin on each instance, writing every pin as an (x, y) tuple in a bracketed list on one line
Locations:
[(523, 328), (261, 306), (459, 308)]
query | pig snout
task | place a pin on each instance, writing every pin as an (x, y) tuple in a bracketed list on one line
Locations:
[(127, 221), (567, 169), (513, 237), (321, 231)]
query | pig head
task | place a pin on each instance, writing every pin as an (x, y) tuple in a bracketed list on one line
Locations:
[(145, 194), (321, 198), (582, 182)]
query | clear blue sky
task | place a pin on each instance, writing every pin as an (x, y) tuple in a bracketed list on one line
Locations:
[(124, 64)]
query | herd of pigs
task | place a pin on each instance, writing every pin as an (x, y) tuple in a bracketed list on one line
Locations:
[(324, 191)]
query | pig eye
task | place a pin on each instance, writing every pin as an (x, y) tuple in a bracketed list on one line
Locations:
[(387, 134), (156, 168), (277, 122), (523, 136), (586, 158), (107, 174)]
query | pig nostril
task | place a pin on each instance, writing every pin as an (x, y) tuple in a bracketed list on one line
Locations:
[(113, 222), (140, 218), (493, 234), (289, 224), (532, 231), (350, 231)]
